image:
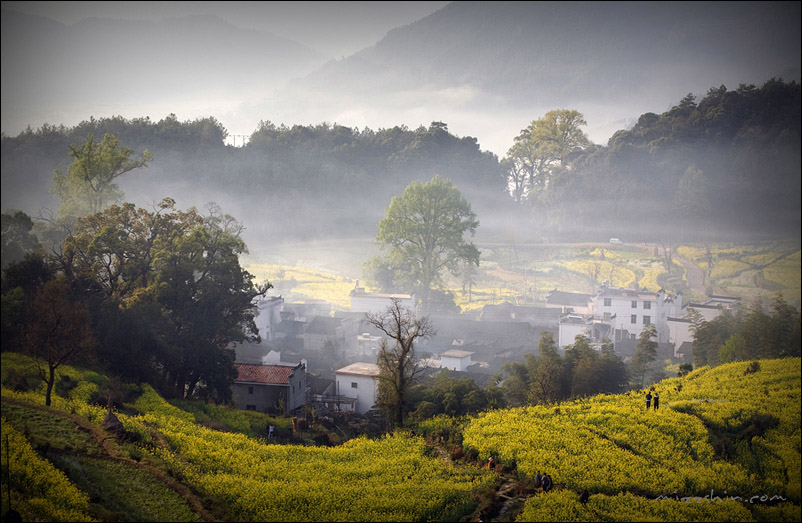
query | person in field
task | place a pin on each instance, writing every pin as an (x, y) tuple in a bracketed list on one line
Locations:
[(656, 401), (648, 399), (547, 483)]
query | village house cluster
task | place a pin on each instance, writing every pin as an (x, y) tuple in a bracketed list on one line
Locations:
[(274, 376)]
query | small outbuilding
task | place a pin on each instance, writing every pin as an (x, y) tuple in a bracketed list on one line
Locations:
[(273, 389)]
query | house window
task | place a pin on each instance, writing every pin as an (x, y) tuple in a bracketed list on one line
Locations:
[(647, 305), (634, 318), (354, 385), (647, 320), (634, 304), (608, 302), (250, 390)]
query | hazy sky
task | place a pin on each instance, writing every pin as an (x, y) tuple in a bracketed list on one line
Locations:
[(335, 29)]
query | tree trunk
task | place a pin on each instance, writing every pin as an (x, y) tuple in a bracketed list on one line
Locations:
[(51, 380)]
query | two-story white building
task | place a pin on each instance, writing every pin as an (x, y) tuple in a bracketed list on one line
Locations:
[(620, 313), (359, 381), (633, 309)]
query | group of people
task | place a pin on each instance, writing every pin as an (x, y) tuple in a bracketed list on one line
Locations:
[(543, 481), (650, 399)]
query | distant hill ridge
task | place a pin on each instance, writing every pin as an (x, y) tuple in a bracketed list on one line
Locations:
[(562, 51)]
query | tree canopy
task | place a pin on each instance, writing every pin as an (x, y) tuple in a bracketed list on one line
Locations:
[(542, 149), (88, 186), (424, 231), (173, 278)]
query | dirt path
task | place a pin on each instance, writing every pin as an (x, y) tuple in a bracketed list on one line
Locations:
[(694, 275), (509, 505), (505, 505)]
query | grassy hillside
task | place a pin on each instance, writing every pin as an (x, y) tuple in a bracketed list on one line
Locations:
[(733, 430), (729, 431), (213, 474)]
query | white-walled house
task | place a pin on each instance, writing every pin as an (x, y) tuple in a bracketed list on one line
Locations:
[(679, 330), (621, 313), (373, 303), (636, 308), (680, 327), (359, 381), (269, 316), (596, 329), (572, 325), (455, 359)]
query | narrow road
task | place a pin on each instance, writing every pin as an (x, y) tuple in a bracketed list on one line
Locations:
[(694, 275)]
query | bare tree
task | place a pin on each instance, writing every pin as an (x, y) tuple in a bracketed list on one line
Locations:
[(58, 332), (398, 368), (593, 271)]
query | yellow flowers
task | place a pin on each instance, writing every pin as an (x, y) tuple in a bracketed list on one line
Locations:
[(610, 444), (40, 492), (390, 479), (565, 506)]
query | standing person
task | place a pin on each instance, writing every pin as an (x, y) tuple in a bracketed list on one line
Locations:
[(547, 484), (490, 463), (270, 432), (648, 400), (538, 479), (656, 401)]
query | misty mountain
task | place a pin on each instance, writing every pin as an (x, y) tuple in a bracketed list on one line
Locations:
[(563, 51), (98, 63), (489, 61)]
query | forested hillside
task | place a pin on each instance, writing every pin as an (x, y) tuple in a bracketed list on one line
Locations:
[(724, 166), (725, 163)]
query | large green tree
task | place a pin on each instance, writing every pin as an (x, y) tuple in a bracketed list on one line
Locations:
[(175, 276), (88, 185), (425, 232), (18, 239), (541, 149), (547, 381)]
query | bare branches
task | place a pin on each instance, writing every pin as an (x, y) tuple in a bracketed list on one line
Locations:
[(398, 367)]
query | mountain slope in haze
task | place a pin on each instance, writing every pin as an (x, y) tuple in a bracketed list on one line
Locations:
[(565, 50), (492, 62), (101, 65)]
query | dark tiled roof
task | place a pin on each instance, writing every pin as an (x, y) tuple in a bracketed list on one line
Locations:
[(571, 299), (268, 374), (323, 325), (318, 385), (291, 327)]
